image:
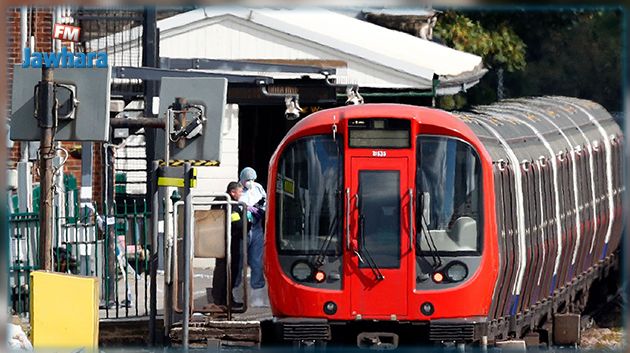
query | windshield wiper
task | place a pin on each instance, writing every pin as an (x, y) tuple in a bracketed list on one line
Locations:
[(370, 261), (432, 247), (433, 251), (318, 261)]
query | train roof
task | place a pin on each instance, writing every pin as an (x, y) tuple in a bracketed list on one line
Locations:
[(381, 110), (534, 127)]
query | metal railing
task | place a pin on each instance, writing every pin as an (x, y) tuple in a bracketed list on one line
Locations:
[(113, 247), (24, 237), (219, 200), (205, 200), (126, 263)]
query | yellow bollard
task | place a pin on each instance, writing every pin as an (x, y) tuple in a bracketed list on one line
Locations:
[(64, 311)]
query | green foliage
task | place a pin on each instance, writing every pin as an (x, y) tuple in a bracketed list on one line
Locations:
[(498, 45), (581, 58), (453, 102), (446, 102), (573, 53)]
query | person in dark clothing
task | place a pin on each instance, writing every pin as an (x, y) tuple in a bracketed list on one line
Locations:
[(219, 278)]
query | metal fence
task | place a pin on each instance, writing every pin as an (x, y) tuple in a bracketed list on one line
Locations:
[(110, 242), (87, 240), (113, 247), (24, 233), (125, 288)]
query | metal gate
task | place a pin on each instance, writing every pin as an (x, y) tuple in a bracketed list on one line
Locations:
[(81, 246)]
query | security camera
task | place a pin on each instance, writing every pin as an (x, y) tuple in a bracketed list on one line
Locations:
[(293, 108)]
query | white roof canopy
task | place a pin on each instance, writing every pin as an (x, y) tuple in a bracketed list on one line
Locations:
[(388, 47), (376, 56)]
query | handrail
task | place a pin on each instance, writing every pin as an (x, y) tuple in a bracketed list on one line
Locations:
[(228, 235), (348, 219), (410, 219)]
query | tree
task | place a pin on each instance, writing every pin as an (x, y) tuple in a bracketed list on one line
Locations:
[(497, 44), (579, 55), (495, 41), (562, 52)]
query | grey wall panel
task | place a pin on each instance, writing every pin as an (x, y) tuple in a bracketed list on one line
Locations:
[(92, 114), (211, 93)]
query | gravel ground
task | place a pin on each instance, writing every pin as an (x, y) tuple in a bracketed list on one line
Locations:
[(603, 339), (607, 332)]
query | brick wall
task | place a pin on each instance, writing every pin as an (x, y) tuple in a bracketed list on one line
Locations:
[(41, 21), (73, 166), (97, 175), (13, 57)]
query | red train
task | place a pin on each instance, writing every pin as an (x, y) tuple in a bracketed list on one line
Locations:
[(460, 227)]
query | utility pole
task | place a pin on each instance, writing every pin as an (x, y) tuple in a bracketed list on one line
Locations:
[(150, 58), (110, 237), (47, 121), (188, 215)]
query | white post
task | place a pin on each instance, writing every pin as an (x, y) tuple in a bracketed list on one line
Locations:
[(23, 45), (25, 187)]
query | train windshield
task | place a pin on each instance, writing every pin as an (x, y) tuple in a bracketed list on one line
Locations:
[(308, 191), (448, 180)]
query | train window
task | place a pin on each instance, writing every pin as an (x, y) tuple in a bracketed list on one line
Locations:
[(448, 182), (379, 133), (380, 216), (308, 204)]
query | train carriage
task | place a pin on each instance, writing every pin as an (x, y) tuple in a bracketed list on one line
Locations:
[(468, 226)]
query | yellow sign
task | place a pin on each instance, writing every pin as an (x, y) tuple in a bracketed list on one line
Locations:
[(64, 311), (288, 187), (168, 176)]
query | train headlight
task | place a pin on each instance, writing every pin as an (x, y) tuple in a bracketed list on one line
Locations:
[(320, 276), (438, 277), (456, 271), (302, 271)]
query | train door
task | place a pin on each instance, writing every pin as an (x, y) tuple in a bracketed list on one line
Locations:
[(379, 237)]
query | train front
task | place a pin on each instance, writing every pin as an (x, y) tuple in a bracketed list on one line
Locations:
[(381, 216)]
